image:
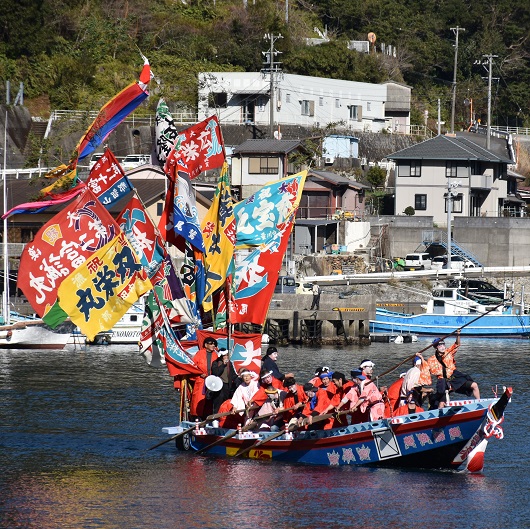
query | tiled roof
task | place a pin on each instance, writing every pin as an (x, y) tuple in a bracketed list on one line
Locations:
[(267, 146), (452, 148), (336, 179)]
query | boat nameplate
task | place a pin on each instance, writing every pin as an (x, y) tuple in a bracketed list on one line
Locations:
[(386, 443)]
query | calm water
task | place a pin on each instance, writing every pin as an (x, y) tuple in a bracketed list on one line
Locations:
[(75, 425)]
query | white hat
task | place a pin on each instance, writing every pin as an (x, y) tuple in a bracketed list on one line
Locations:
[(367, 363), (213, 383), (222, 352)]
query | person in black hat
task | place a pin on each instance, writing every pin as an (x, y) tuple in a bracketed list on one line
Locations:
[(223, 368), (268, 363)]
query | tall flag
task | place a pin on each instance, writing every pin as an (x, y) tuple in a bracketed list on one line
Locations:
[(100, 291), (114, 112), (142, 234), (166, 132), (66, 179), (219, 234), (259, 216), (107, 180), (179, 361), (151, 346), (245, 349), (200, 147), (60, 246), (193, 280), (256, 277)]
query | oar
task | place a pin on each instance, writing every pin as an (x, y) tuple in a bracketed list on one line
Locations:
[(291, 428), (388, 371), (188, 430), (249, 426)]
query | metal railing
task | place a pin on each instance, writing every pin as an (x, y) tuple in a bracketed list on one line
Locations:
[(134, 118)]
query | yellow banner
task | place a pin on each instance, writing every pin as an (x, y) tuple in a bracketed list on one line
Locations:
[(98, 293)]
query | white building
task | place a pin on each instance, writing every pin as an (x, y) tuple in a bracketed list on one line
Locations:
[(244, 98)]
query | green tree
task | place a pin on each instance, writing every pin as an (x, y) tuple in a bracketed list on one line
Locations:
[(376, 176), (409, 210)]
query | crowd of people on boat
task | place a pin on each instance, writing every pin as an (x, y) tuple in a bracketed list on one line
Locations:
[(275, 400)]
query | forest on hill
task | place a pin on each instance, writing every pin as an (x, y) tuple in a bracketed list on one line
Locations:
[(77, 54)]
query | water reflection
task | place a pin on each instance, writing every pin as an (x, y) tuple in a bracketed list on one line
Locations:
[(74, 426)]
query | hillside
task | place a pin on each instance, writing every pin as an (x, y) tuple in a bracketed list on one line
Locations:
[(76, 55)]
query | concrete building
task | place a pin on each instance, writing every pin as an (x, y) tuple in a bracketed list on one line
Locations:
[(244, 98)]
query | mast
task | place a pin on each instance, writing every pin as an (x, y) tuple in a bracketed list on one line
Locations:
[(5, 297)]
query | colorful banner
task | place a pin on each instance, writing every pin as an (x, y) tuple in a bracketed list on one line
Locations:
[(256, 277), (259, 216), (100, 291), (245, 349), (219, 235), (200, 147), (107, 180), (113, 113), (166, 132), (142, 234), (60, 246)]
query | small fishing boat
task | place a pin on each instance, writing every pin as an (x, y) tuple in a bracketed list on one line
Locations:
[(450, 309), (454, 437), (33, 334)]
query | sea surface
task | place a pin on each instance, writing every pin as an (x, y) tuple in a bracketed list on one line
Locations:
[(75, 426)]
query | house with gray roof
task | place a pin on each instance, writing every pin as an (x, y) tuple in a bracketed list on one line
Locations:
[(479, 179)]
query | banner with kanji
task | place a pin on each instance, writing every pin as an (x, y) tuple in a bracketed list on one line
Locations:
[(200, 147), (142, 234), (259, 216), (61, 246), (256, 277), (245, 349), (107, 180), (100, 291), (219, 235)]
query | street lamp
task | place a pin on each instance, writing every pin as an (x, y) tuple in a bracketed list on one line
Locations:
[(450, 196)]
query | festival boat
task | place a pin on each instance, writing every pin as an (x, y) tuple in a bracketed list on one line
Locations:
[(450, 309), (454, 437)]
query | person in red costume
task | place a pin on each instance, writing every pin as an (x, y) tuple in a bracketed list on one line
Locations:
[(295, 397), (317, 404), (199, 406)]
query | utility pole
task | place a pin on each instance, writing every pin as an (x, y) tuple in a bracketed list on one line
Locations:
[(456, 31), (450, 196), (488, 128), (272, 68)]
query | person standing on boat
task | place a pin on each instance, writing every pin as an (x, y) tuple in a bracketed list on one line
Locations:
[(268, 363), (203, 359), (412, 382), (443, 366), (223, 368)]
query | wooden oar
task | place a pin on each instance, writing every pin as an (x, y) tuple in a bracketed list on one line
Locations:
[(249, 426), (291, 428), (188, 430), (388, 371)]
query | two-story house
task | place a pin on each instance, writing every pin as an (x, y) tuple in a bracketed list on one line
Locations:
[(477, 179)]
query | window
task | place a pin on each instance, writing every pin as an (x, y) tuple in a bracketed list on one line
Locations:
[(261, 104), (355, 112), (320, 101), (409, 168), (217, 99), (456, 169), (420, 202), (308, 108), (159, 208), (337, 103), (457, 203), (368, 106), (287, 98), (265, 165)]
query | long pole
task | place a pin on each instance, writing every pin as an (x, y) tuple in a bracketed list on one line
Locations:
[(456, 31), (449, 203), (271, 65), (488, 129), (7, 319)]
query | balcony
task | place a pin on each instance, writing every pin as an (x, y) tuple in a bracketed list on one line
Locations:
[(481, 181)]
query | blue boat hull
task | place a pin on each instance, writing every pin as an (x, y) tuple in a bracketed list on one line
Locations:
[(436, 439), (438, 324)]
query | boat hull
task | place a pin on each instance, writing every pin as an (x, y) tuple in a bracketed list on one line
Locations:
[(32, 335), (438, 324), (436, 439)]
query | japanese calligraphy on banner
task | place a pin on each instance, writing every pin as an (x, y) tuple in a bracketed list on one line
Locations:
[(256, 277), (98, 293), (200, 147), (219, 234), (107, 180), (259, 216), (142, 234), (62, 245)]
